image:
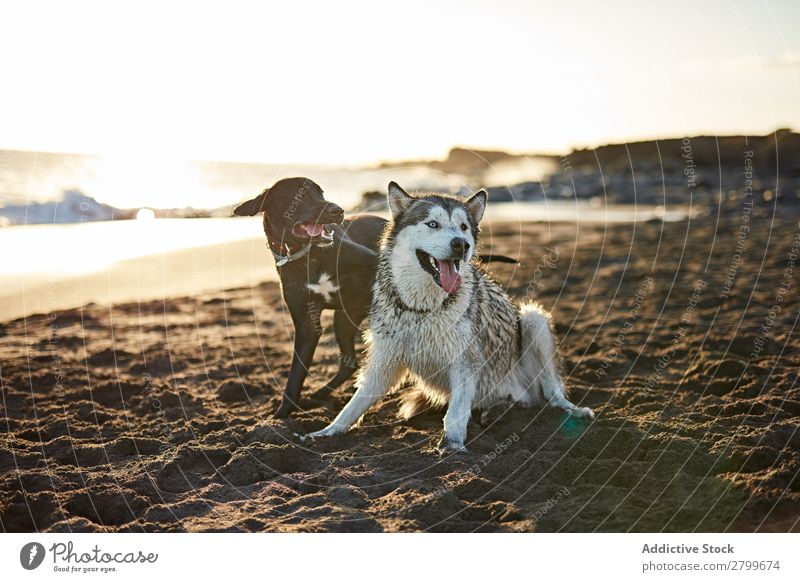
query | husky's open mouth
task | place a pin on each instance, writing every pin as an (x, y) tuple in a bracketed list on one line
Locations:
[(313, 231), (444, 272)]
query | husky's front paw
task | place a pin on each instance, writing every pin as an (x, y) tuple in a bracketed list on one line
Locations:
[(329, 430), (447, 446)]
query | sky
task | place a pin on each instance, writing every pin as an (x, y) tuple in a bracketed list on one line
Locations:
[(358, 82)]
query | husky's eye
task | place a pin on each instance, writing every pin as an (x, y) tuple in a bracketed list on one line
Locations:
[(463, 227), (433, 224)]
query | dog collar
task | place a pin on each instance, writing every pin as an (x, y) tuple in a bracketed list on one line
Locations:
[(281, 259)]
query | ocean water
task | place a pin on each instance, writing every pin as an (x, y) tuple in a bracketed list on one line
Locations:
[(93, 246)]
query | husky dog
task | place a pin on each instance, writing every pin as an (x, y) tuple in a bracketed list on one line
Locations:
[(325, 261), (437, 318)]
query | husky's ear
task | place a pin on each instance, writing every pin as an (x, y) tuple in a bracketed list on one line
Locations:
[(477, 204), (399, 199), (254, 206)]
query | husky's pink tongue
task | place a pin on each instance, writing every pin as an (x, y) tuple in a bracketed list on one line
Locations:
[(313, 229), (448, 276)]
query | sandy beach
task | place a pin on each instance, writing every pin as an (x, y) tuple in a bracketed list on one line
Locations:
[(155, 415)]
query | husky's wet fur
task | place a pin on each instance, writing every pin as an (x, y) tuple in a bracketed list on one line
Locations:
[(439, 320)]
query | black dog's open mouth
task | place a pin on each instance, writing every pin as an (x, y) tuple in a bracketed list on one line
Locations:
[(444, 272), (313, 231)]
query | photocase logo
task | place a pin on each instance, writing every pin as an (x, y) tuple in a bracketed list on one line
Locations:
[(31, 555)]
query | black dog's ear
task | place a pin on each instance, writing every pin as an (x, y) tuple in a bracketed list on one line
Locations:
[(254, 206), (399, 199)]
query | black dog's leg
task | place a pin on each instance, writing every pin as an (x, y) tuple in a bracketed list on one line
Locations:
[(346, 327), (305, 343)]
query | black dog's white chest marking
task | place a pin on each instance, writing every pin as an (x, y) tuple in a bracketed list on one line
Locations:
[(325, 287)]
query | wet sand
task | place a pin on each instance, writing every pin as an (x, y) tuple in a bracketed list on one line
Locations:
[(155, 416)]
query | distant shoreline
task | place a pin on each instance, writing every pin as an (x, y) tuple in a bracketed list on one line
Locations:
[(658, 171)]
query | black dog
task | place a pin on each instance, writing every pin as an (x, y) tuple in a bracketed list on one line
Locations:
[(324, 262), (336, 271)]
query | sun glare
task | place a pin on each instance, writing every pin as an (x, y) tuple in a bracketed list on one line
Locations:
[(132, 180), (145, 214)]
